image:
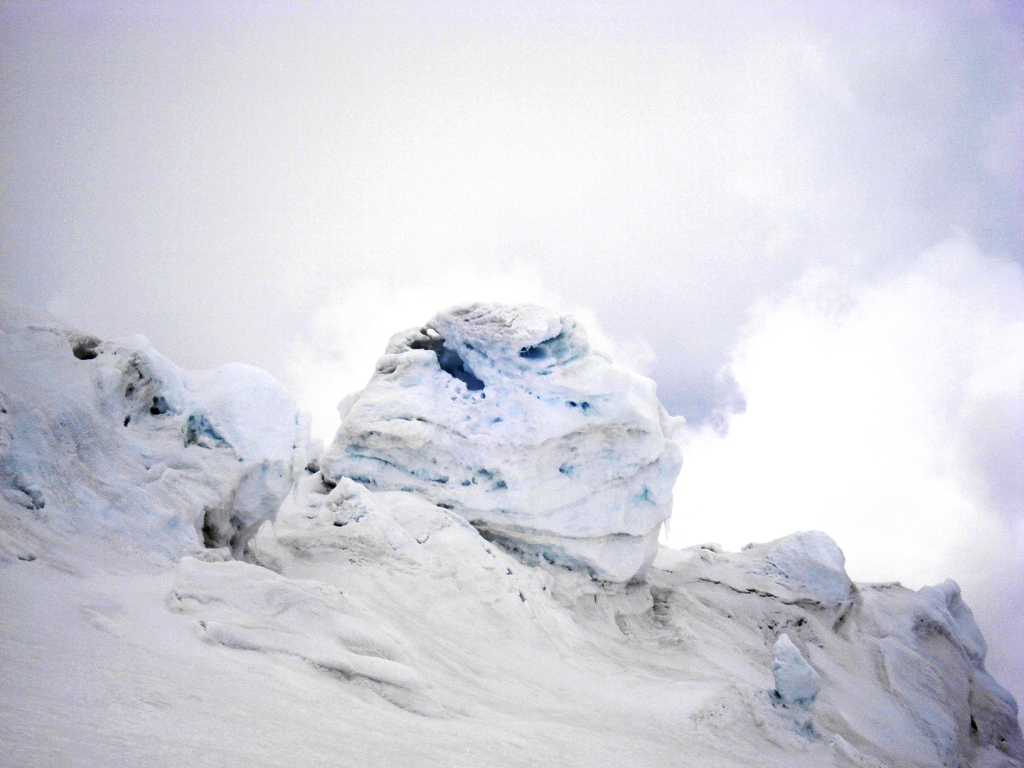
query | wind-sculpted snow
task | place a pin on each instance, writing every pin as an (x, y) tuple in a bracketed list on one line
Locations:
[(112, 436), (811, 565), (505, 416), (241, 606), (363, 626), (898, 673)]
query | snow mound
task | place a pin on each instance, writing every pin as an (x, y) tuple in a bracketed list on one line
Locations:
[(246, 607), (504, 415), (114, 437)]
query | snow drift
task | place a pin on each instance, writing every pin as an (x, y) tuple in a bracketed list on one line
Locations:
[(506, 416)]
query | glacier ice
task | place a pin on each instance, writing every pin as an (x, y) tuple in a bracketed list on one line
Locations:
[(113, 436), (796, 682), (882, 665), (810, 564), (506, 416)]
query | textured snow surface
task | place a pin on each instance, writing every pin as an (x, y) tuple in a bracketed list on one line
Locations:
[(113, 435), (504, 415), (811, 565), (376, 628)]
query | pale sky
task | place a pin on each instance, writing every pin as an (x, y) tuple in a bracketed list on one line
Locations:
[(805, 221)]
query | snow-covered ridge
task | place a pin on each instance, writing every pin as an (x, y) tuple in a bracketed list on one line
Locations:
[(506, 416), (114, 437), (359, 626)]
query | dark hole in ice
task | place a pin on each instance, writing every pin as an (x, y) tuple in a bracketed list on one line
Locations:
[(84, 347), (211, 537), (448, 359), (223, 530), (199, 431), (559, 347), (33, 498), (453, 365), (159, 406), (127, 419)]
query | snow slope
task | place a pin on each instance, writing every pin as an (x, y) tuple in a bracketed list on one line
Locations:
[(361, 627)]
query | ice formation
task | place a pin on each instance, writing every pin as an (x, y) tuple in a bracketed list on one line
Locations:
[(363, 626), (811, 565), (113, 435), (796, 682), (506, 416)]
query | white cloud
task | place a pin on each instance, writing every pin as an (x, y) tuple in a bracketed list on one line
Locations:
[(888, 414)]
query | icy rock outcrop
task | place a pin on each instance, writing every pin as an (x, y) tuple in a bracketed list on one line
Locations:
[(810, 564), (806, 568), (504, 415), (115, 435), (796, 682), (899, 673), (950, 694)]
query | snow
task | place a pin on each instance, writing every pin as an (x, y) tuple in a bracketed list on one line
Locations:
[(113, 435), (358, 625), (812, 565), (243, 606), (506, 416), (796, 682)]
